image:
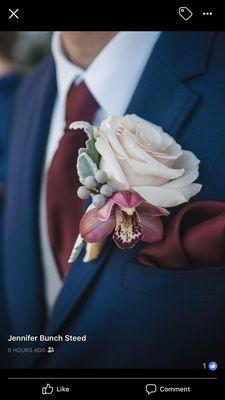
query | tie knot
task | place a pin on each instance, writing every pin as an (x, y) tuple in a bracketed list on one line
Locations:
[(80, 104)]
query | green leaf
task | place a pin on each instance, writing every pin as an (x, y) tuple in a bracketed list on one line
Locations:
[(91, 151), (85, 166)]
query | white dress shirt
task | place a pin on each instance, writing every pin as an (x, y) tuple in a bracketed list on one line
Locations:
[(112, 79)]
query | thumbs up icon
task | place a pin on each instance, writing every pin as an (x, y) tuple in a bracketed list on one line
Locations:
[(47, 389)]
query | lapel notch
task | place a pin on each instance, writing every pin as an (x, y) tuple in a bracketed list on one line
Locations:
[(163, 95)]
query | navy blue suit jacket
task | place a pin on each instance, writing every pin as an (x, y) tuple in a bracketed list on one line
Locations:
[(133, 317), (8, 86)]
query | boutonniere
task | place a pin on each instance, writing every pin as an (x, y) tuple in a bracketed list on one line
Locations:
[(132, 171)]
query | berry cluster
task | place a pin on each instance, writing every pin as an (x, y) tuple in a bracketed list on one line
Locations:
[(97, 187)]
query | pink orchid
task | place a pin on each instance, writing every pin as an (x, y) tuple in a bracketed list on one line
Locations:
[(129, 216)]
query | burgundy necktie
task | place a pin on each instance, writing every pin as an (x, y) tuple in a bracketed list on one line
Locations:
[(64, 208)]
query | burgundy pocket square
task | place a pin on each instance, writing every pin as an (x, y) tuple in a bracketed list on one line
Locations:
[(194, 238)]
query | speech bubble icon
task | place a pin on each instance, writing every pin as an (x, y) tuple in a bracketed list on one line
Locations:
[(150, 388)]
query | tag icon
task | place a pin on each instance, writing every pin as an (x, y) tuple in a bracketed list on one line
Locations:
[(185, 13)]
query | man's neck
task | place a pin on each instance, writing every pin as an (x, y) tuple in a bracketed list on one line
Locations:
[(83, 47)]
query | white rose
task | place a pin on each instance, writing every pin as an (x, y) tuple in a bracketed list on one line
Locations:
[(139, 156)]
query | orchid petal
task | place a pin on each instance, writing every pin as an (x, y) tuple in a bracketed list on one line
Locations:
[(152, 228), (128, 229), (93, 230), (105, 212), (123, 199), (152, 211), (126, 199)]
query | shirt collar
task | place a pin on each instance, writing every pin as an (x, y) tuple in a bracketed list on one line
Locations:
[(66, 71), (113, 75)]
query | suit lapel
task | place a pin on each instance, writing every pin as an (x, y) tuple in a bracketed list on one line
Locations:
[(26, 291), (169, 101), (163, 95), (163, 98), (80, 278)]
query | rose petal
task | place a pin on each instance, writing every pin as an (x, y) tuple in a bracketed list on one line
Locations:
[(130, 121), (115, 144), (93, 230), (143, 151), (140, 155), (156, 168), (135, 179), (190, 164), (185, 180), (146, 136), (187, 160), (112, 122), (103, 147), (167, 196)]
